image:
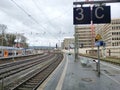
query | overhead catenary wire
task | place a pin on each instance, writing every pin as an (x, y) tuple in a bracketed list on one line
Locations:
[(51, 34), (57, 17), (41, 26), (40, 34), (53, 19), (24, 11), (45, 17), (28, 14), (31, 15)]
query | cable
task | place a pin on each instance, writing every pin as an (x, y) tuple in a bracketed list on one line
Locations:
[(27, 14), (48, 20), (36, 21), (24, 11), (44, 15), (57, 17)]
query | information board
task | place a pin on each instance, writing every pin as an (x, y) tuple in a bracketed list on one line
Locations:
[(101, 14), (81, 15), (84, 15)]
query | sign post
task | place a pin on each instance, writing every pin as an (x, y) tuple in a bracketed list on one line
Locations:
[(99, 15), (76, 49), (98, 43), (98, 63)]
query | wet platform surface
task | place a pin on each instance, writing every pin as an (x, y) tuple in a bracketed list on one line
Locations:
[(71, 75)]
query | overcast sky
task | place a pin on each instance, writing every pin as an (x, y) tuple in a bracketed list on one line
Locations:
[(43, 22)]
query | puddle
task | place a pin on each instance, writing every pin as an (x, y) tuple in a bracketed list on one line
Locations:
[(87, 79)]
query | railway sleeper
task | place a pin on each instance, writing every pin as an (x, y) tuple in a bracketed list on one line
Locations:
[(28, 86), (32, 82), (10, 73), (22, 88), (35, 80)]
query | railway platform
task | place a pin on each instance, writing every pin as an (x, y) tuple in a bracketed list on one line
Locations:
[(71, 75)]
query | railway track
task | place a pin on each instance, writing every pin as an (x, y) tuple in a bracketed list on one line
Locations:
[(10, 64), (17, 68), (34, 81), (12, 68), (17, 58)]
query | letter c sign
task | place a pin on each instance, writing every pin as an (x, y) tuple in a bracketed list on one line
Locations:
[(101, 14)]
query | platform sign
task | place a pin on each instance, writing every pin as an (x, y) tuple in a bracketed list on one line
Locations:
[(99, 43), (101, 14), (84, 15), (81, 15)]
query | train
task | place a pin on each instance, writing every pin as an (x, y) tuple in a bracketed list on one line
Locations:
[(6, 51)]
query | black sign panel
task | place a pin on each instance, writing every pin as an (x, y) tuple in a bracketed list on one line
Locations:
[(81, 15), (101, 14)]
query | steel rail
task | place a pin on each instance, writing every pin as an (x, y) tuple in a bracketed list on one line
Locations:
[(2, 66), (36, 82), (18, 79), (22, 67)]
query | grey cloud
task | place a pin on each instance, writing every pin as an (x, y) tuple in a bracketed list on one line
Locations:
[(54, 18)]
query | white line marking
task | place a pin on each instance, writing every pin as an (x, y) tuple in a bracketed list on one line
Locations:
[(60, 83), (111, 78), (110, 66)]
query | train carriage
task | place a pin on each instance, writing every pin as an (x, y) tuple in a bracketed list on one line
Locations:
[(10, 51)]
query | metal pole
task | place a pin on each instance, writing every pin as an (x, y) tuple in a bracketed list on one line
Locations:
[(98, 64), (104, 51), (75, 49), (49, 47), (76, 46), (76, 41), (95, 2), (69, 47)]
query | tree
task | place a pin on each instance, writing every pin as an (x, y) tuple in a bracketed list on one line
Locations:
[(12, 40), (2, 31), (8, 39)]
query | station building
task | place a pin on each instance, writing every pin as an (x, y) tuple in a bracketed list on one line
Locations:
[(110, 34), (68, 43), (84, 36)]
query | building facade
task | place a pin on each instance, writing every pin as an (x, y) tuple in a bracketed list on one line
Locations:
[(111, 36), (68, 43), (110, 32), (84, 36)]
